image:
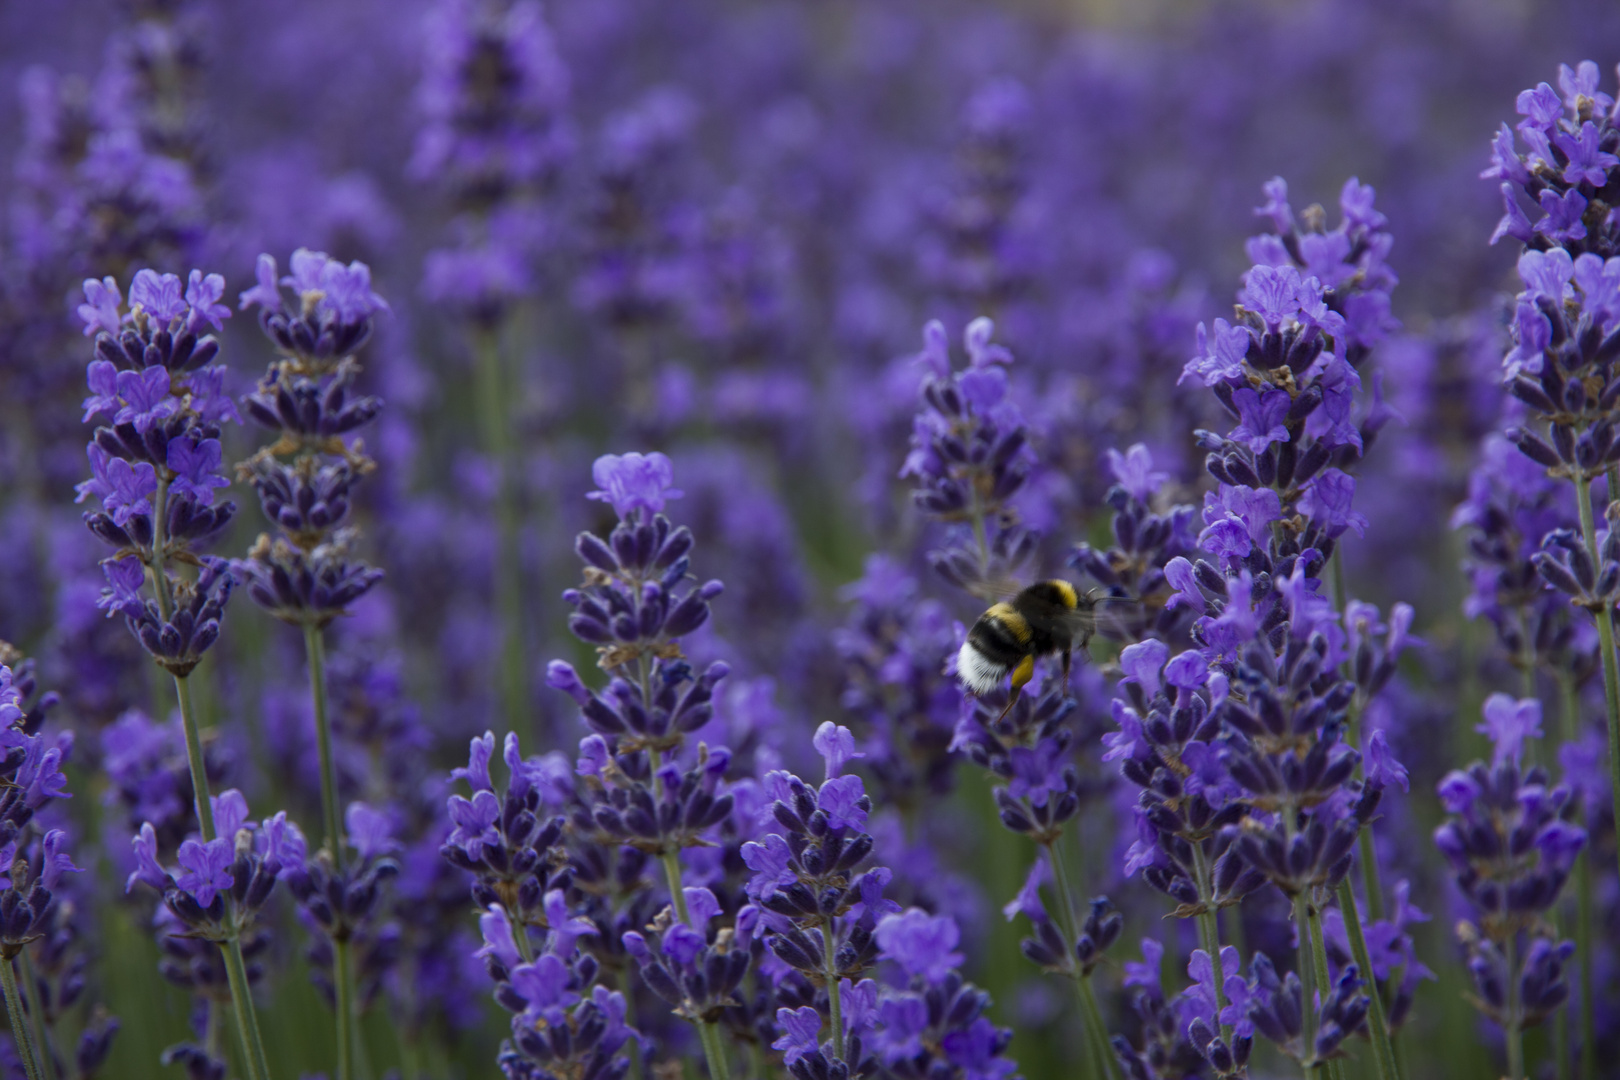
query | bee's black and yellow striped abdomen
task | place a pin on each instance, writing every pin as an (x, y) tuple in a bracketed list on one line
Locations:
[(1045, 618), (1002, 635)]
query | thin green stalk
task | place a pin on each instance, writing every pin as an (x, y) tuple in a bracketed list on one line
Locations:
[(1570, 725), (1367, 853), (709, 1033), (835, 1014), (520, 934), (315, 657), (638, 1069), (1514, 1032), (20, 1032), (344, 1007), (1368, 856), (159, 563), (1307, 979), (1605, 624), (1560, 1039), (1105, 1049), (1319, 969), (194, 758), (1383, 1049), (714, 1051), (1209, 934), (495, 419), (342, 969), (36, 1010), (1583, 938), (247, 1020), (1093, 1030)]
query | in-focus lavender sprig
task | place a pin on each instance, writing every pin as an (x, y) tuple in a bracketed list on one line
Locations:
[(156, 464), (309, 575), (155, 458), (643, 786)]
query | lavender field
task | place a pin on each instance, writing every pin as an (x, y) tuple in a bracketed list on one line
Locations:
[(814, 539)]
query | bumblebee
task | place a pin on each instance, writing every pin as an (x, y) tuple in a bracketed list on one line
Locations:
[(1044, 618)]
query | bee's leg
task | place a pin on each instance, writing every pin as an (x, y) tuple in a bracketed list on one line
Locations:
[(1021, 675), (1067, 656)]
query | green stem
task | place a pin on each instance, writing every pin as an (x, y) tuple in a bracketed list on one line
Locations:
[(194, 758), (1093, 1031), (1570, 724), (1104, 1048), (1319, 969), (19, 1023), (520, 934), (315, 657), (1383, 1049), (160, 559), (1307, 979), (1514, 1032), (1560, 1040), (1341, 595), (638, 1069), (344, 1008), (247, 1020), (36, 1010), (709, 1035), (496, 421), (1209, 934), (1583, 939), (1366, 849), (342, 969), (835, 1013), (708, 1032), (1605, 624)]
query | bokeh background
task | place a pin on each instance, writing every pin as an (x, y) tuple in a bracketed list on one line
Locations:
[(726, 228)]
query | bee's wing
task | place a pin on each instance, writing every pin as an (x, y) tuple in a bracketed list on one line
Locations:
[(995, 588), (1098, 608)]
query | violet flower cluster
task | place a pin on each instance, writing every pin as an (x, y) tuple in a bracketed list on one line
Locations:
[(309, 575), (969, 456), (155, 458), (1511, 840)]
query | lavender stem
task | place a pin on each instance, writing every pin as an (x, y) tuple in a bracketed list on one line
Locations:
[(158, 565), (1605, 624), (1307, 999), (315, 657), (835, 1014), (1095, 1035), (638, 1069), (344, 1006), (1209, 933), (495, 419), (36, 1011), (1570, 718), (247, 1020), (1383, 1049), (709, 1033), (1319, 970), (342, 975), (19, 1023), (1514, 1032), (194, 758)]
